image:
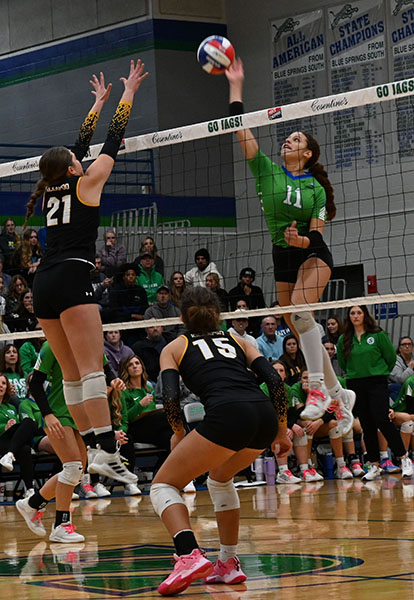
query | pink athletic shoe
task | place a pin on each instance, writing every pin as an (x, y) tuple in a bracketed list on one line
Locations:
[(187, 569), (227, 572)]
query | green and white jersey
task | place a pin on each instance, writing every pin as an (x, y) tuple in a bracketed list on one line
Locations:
[(286, 198), (407, 389), (19, 383), (7, 412)]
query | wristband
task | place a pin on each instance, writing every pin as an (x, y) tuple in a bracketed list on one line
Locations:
[(236, 108), (315, 238)]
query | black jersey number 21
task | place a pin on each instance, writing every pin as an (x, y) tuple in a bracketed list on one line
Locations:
[(53, 206)]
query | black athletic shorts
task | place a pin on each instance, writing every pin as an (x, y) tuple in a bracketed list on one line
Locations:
[(62, 286), (239, 425), (287, 261)]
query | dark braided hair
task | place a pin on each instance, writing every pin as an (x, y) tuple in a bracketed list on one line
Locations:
[(53, 166), (317, 170)]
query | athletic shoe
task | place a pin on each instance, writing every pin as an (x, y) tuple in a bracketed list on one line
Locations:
[(75, 496), (407, 467), (86, 491), (229, 572), (32, 516), (111, 465), (29, 493), (374, 472), (7, 461), (388, 466), (65, 534), (101, 491), (344, 473), (347, 398), (91, 454), (315, 475), (316, 404), (187, 569), (131, 489), (287, 477), (189, 488), (306, 476), (356, 469), (345, 419)]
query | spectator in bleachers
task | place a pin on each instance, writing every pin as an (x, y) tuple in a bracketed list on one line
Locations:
[(213, 284), (163, 309), (331, 350), (146, 424), (29, 353), (17, 286), (293, 359), (148, 245), (197, 275), (128, 300), (15, 437), (9, 241), (101, 284), (177, 287), (6, 277), (24, 319), (404, 364), (251, 294), (27, 256), (367, 355), (238, 328), (149, 349), (115, 349), (270, 344), (334, 329), (282, 328), (4, 328), (113, 255), (11, 367), (148, 277)]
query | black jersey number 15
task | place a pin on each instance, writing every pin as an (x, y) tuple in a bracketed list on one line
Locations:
[(53, 206), (223, 346)]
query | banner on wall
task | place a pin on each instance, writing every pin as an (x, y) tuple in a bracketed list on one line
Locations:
[(357, 59), (401, 42), (299, 68)]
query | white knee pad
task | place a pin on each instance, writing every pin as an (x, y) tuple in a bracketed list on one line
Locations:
[(224, 496), (163, 495), (335, 433), (300, 441), (303, 321), (407, 427), (71, 473), (72, 390), (94, 386), (348, 437)]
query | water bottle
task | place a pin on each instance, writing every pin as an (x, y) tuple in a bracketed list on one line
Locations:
[(258, 468), (270, 470), (2, 488)]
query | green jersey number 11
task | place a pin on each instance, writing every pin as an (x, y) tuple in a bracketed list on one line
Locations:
[(288, 199)]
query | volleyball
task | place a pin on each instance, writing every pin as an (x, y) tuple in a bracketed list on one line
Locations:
[(215, 54)]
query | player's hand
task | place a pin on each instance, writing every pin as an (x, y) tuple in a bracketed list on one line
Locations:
[(146, 400), (121, 437), (298, 430), (235, 72), (118, 384), (9, 424), (100, 92), (313, 426), (281, 445), (54, 427), (293, 238), (136, 76)]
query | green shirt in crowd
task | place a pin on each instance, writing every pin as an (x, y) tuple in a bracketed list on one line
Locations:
[(150, 282), (7, 412), (19, 384), (286, 198), (288, 391), (373, 355), (132, 400), (407, 389)]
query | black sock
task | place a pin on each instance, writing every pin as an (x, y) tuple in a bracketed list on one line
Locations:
[(185, 542), (107, 441), (90, 439), (62, 517), (37, 501)]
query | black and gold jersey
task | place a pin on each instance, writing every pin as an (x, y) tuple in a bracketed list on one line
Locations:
[(71, 225), (214, 367)]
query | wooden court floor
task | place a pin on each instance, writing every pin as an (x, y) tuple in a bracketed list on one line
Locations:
[(334, 539)]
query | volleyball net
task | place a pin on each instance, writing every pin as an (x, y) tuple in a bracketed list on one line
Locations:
[(198, 192)]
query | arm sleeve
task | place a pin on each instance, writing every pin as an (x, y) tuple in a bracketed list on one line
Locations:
[(116, 129), (38, 392), (86, 132), (171, 398), (275, 385)]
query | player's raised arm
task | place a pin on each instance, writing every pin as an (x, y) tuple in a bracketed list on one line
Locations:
[(235, 76)]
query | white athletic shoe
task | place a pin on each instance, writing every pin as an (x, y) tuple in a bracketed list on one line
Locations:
[(75, 496), (374, 472), (347, 398), (87, 491), (101, 491), (7, 461), (407, 467), (356, 469), (316, 404), (306, 476), (65, 534), (287, 477), (111, 465), (344, 473), (32, 517), (131, 489), (189, 488), (29, 493)]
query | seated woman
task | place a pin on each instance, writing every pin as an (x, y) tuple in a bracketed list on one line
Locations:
[(17, 286), (27, 257), (146, 424), (11, 367), (24, 319), (404, 366), (177, 288), (148, 245), (334, 328), (115, 349), (292, 358), (15, 437), (213, 284)]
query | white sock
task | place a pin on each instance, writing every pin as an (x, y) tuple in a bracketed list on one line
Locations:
[(340, 461), (227, 552), (310, 343), (283, 468), (383, 455), (304, 467)]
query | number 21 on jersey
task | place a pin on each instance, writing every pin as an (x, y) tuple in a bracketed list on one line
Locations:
[(223, 346), (53, 205)]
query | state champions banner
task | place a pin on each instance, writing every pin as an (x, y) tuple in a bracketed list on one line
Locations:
[(401, 43), (299, 67), (357, 58)]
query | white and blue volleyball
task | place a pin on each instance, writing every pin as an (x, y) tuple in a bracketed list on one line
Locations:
[(215, 54)]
